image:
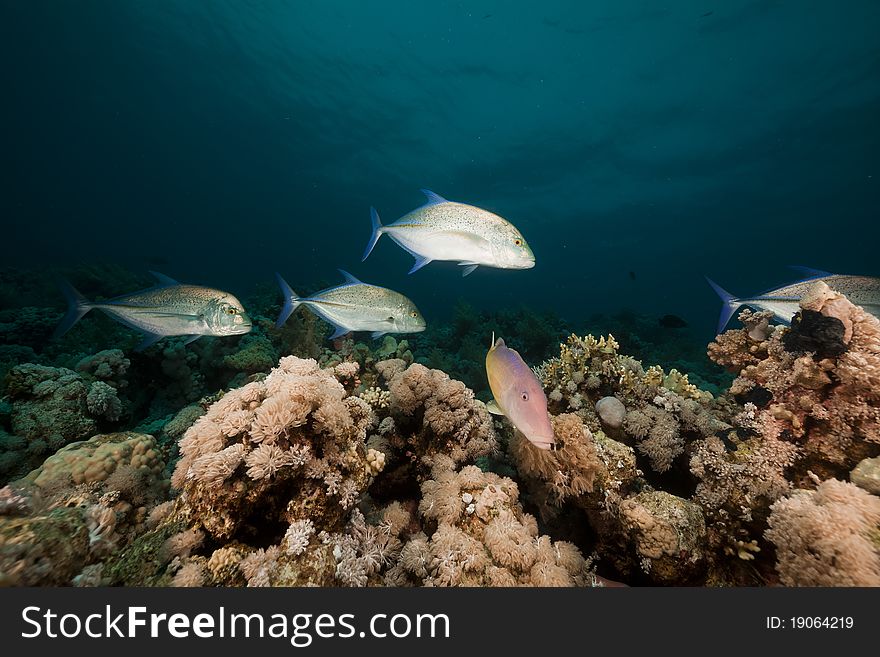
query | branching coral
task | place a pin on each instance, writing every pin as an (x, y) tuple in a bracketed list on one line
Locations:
[(103, 402), (659, 411)]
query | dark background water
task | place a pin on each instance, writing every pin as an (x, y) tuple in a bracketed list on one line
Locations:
[(227, 140)]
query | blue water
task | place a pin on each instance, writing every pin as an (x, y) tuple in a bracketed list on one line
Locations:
[(228, 140)]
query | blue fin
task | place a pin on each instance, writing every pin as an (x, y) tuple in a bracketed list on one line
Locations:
[(191, 339), (375, 235), (467, 268), (77, 306), (349, 278), (433, 199), (809, 272), (291, 301), (377, 334), (730, 302), (149, 340), (420, 262), (163, 279), (340, 331)]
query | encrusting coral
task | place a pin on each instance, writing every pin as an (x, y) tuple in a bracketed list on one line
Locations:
[(78, 508)]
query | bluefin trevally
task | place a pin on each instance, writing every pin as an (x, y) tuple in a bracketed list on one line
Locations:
[(445, 230), (518, 394), (783, 301), (166, 310), (356, 306)]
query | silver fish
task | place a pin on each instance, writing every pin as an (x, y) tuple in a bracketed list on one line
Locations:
[(169, 309), (445, 230), (783, 301), (356, 306)]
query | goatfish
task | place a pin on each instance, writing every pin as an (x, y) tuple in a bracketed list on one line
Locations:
[(356, 306), (518, 394), (166, 310), (445, 230), (783, 301)]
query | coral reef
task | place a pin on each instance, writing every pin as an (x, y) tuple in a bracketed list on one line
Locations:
[(281, 459), (78, 509)]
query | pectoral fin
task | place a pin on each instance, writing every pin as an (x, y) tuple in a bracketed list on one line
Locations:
[(420, 262), (340, 331), (149, 340), (163, 279), (493, 408)]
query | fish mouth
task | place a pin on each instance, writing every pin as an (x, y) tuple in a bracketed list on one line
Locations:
[(542, 443)]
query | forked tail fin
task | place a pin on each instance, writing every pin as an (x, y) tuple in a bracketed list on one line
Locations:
[(291, 301), (375, 235), (77, 306), (731, 303)]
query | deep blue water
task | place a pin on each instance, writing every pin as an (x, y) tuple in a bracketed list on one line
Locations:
[(227, 140)]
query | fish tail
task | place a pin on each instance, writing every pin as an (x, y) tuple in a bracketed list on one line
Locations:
[(378, 229), (77, 306), (731, 303), (291, 301)]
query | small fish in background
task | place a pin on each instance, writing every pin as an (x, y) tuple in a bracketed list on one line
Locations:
[(632, 276), (518, 394), (356, 306), (167, 310), (783, 301), (672, 322), (445, 230)]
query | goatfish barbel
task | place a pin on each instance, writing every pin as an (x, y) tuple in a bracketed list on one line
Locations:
[(783, 301), (445, 230), (518, 394), (169, 309), (356, 306)]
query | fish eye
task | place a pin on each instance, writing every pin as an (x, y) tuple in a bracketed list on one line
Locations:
[(518, 241), (231, 311), (525, 396), (414, 314)]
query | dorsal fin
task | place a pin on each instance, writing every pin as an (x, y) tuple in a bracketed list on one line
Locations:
[(163, 279), (809, 272), (433, 199), (349, 278)]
